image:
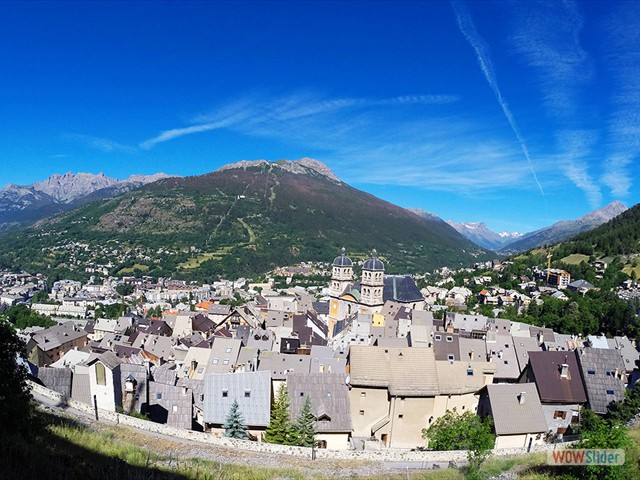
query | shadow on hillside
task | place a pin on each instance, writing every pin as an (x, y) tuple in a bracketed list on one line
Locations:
[(44, 454)]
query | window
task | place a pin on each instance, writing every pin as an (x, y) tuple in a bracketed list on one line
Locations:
[(449, 338), (610, 392), (363, 394), (451, 357), (302, 394), (438, 338), (361, 412), (469, 372), (608, 374), (247, 393), (225, 393), (201, 369), (101, 376), (215, 361), (225, 361), (591, 372), (560, 414), (228, 350), (159, 396), (175, 408), (400, 417)]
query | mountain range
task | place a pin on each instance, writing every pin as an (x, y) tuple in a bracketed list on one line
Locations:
[(243, 219), (481, 235), (512, 242), (21, 205)]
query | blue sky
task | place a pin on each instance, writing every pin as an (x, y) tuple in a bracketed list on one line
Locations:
[(516, 113)]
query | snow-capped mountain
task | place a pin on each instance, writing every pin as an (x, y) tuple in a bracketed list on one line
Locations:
[(481, 235)]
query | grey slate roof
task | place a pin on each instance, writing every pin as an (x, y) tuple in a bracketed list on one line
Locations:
[(628, 352), (170, 404), (81, 387), (166, 373), (599, 368), (56, 379), (252, 390), (523, 346), (329, 399), (401, 288), (279, 364), (511, 417)]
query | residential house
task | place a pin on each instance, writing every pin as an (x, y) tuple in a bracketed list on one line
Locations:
[(49, 345), (252, 391), (604, 376), (56, 379), (559, 382), (329, 396), (518, 419), (396, 392), (171, 404), (104, 380)]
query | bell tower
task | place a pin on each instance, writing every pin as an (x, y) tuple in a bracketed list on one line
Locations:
[(372, 282)]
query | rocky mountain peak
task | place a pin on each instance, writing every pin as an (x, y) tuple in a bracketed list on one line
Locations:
[(301, 166)]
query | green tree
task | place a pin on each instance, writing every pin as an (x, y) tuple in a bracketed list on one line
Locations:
[(279, 429), (610, 434), (125, 289), (21, 316), (628, 408), (468, 432), (234, 426), (304, 430), (16, 411)]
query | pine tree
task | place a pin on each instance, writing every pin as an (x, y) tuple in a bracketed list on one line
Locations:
[(279, 429), (304, 429), (234, 426)]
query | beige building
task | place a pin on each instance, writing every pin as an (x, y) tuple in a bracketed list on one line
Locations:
[(396, 392), (369, 294)]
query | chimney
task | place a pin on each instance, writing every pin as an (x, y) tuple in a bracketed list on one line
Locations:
[(564, 370), (540, 337), (521, 398)]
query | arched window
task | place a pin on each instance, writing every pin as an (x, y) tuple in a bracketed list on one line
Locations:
[(101, 377)]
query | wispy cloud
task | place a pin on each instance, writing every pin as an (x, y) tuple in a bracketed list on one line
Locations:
[(547, 39), (622, 60), (468, 29), (576, 148), (254, 114), (103, 144)]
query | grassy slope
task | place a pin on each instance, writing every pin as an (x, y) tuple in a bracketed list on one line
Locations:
[(65, 449)]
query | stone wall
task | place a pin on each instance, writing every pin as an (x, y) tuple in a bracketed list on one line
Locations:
[(383, 455)]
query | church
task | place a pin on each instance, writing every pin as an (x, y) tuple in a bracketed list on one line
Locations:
[(369, 294)]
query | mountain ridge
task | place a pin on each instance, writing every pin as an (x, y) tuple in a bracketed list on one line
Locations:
[(22, 204), (244, 219), (565, 229)]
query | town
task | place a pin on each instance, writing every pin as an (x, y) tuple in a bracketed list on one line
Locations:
[(378, 358)]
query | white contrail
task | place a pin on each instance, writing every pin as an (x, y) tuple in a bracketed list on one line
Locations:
[(465, 23)]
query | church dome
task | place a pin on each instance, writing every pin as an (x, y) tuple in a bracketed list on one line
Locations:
[(373, 264), (342, 260)]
